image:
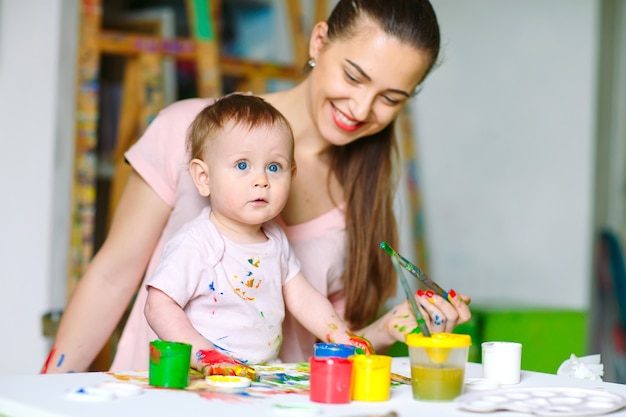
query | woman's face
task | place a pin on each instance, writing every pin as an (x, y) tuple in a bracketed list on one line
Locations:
[(359, 85)]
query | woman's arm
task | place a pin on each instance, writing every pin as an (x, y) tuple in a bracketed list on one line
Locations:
[(111, 279)]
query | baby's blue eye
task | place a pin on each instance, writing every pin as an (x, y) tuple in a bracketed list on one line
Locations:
[(273, 168), (242, 165)]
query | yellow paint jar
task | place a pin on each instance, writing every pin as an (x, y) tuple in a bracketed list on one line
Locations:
[(371, 377), (438, 365)]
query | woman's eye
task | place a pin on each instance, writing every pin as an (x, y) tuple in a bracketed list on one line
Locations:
[(273, 168), (391, 101), (350, 77), (242, 165)]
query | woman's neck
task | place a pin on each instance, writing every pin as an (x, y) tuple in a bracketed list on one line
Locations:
[(313, 191), (294, 104)]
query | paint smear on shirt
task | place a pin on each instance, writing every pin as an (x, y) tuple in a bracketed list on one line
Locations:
[(243, 295)]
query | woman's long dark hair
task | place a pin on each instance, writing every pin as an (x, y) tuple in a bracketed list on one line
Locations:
[(365, 167)]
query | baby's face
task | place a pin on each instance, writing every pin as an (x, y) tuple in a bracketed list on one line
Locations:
[(250, 172)]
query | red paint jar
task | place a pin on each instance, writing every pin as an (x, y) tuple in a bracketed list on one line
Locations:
[(330, 380)]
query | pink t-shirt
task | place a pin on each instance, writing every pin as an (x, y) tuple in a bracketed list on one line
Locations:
[(231, 292), (161, 159)]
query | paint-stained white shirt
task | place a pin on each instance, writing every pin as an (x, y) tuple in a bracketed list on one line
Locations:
[(231, 292)]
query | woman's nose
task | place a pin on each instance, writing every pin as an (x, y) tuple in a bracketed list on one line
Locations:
[(362, 105)]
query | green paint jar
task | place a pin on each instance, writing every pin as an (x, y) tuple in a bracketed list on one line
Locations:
[(169, 364)]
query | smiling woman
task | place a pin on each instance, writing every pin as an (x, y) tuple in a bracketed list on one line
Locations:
[(350, 84)]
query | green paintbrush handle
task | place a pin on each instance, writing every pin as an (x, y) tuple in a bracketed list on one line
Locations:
[(414, 270), (409, 296)]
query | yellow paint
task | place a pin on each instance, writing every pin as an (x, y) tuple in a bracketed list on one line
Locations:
[(371, 377)]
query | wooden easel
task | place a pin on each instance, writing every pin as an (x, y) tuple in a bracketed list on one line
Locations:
[(410, 161)]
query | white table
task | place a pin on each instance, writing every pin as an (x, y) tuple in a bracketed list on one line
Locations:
[(47, 395)]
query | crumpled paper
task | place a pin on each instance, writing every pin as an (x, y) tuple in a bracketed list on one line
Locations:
[(586, 367)]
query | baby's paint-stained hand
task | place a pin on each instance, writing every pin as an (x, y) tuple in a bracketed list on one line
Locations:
[(361, 344), (213, 362)]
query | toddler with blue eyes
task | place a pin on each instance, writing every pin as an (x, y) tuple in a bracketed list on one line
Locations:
[(226, 277)]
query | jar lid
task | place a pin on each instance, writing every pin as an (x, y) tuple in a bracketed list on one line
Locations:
[(439, 340), (371, 360), (333, 350)]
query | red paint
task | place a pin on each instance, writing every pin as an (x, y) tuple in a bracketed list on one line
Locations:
[(330, 380), (452, 293), (155, 355), (429, 294), (44, 370), (210, 357), (216, 363), (420, 293)]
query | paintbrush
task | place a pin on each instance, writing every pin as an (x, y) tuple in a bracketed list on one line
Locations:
[(414, 270), (409, 296)]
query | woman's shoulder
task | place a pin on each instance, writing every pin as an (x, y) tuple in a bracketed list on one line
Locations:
[(174, 119), (186, 108)]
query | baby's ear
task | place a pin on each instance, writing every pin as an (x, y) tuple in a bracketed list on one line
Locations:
[(294, 169), (200, 175)]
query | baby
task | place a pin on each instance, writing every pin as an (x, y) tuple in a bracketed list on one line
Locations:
[(225, 278)]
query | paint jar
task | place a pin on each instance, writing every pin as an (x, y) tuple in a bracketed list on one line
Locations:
[(371, 377), (169, 364), (333, 350), (438, 365), (330, 380), (502, 361)]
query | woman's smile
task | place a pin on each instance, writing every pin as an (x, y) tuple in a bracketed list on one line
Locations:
[(343, 121)]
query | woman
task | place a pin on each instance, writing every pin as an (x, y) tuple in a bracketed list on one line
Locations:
[(366, 62)]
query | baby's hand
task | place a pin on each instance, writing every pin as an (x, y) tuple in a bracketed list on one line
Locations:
[(361, 343), (216, 363)]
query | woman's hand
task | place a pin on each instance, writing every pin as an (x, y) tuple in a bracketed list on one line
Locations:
[(441, 315)]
